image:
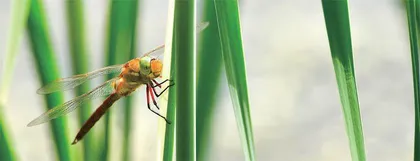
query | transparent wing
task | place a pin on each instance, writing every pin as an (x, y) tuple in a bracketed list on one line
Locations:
[(202, 26), (159, 50), (74, 81), (156, 51), (69, 106)]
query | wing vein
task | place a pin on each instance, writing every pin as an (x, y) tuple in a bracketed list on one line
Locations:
[(69, 106), (74, 81)]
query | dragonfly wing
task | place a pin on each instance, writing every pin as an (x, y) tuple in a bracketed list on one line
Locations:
[(74, 81), (202, 26), (159, 50), (156, 51), (69, 106)]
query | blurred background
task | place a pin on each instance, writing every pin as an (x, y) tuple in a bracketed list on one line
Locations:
[(293, 94)]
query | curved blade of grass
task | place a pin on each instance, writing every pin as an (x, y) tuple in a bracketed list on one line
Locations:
[(416, 139), (184, 51), (169, 141), (80, 59), (166, 138), (120, 48), (412, 10), (209, 67), (19, 15), (6, 151), (171, 101), (338, 27), (126, 142), (131, 25), (411, 6), (227, 13), (48, 71)]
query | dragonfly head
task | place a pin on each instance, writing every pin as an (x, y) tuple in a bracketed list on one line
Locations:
[(156, 67), (150, 67)]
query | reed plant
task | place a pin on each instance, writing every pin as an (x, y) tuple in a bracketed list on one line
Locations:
[(80, 63), (120, 48), (209, 68), (18, 20), (412, 7), (47, 69), (337, 22)]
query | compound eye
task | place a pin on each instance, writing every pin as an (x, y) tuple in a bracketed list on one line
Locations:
[(145, 66), (150, 63)]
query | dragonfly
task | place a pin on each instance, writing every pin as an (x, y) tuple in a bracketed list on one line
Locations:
[(144, 70)]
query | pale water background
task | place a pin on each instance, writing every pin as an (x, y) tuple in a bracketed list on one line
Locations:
[(296, 111)]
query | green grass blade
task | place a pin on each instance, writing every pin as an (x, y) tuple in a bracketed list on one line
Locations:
[(127, 129), (412, 12), (20, 10), (131, 26), (48, 71), (80, 59), (227, 12), (338, 27), (416, 139), (183, 46), (166, 133), (168, 151), (7, 153), (209, 67), (120, 48)]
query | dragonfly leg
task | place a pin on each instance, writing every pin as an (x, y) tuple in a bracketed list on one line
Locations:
[(148, 105), (158, 95), (158, 84), (153, 98)]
